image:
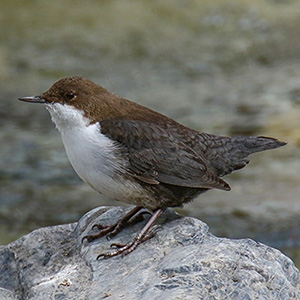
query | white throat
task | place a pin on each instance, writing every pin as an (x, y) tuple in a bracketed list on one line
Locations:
[(94, 156), (65, 117)]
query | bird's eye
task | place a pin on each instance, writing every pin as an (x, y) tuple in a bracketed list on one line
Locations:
[(70, 96)]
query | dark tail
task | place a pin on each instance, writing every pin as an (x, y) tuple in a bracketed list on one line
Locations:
[(254, 144), (227, 154)]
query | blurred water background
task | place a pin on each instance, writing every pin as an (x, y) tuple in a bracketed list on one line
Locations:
[(224, 67)]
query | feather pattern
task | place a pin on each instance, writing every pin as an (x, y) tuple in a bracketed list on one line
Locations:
[(157, 156)]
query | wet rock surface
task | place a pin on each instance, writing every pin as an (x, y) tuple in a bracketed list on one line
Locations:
[(183, 261)]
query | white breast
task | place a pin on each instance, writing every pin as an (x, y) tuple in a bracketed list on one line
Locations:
[(94, 157)]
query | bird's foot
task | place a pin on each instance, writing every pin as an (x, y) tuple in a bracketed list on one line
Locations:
[(124, 249), (103, 230), (112, 230)]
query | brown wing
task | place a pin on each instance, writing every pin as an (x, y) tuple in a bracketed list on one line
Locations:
[(156, 156)]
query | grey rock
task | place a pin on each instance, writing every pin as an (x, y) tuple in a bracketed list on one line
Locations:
[(183, 261)]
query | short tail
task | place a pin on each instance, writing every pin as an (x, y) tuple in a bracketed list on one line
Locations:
[(227, 154)]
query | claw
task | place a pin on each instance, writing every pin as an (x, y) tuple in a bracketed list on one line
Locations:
[(146, 234), (117, 245), (102, 232), (104, 255), (117, 228), (111, 230), (86, 237), (98, 226)]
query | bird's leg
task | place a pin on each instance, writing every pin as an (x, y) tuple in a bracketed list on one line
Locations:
[(129, 222), (138, 217), (146, 234), (115, 228)]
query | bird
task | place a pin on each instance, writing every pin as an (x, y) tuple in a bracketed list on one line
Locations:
[(133, 154)]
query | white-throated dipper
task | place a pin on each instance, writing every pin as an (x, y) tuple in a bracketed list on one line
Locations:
[(133, 154)]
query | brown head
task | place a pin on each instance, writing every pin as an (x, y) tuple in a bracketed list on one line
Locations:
[(83, 94), (96, 102)]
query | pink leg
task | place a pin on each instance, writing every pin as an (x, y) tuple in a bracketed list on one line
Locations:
[(112, 229), (143, 236)]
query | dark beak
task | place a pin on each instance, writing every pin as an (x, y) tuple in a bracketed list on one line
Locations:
[(33, 99)]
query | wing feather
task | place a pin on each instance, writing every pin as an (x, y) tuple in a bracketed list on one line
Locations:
[(155, 156)]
